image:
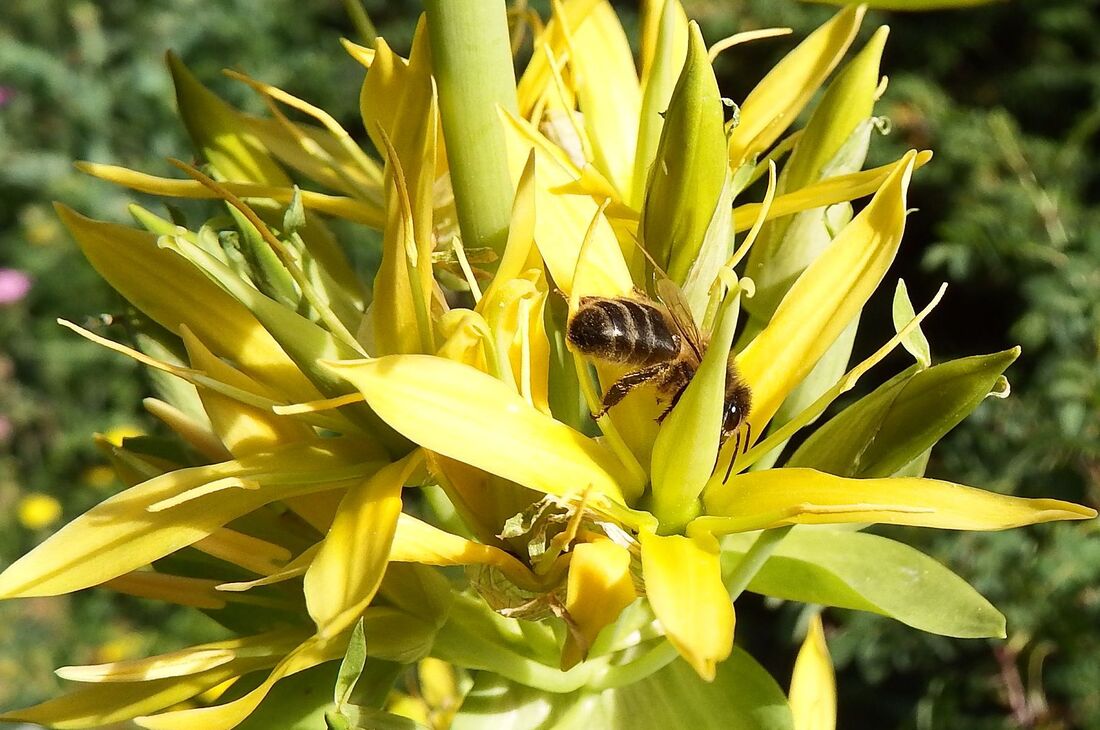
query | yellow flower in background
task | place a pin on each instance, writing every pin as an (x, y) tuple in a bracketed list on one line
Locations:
[(37, 511), (341, 441)]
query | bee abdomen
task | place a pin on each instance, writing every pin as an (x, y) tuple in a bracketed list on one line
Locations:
[(622, 330)]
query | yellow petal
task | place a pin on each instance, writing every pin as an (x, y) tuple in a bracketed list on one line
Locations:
[(244, 429), (561, 221), (599, 588), (399, 314), (173, 293), (467, 415), (106, 704), (128, 530), (683, 580), (838, 189), (813, 684), (418, 542), (824, 299), (537, 79), (309, 654), (776, 101), (607, 93), (343, 577), (773, 497), (189, 661), (368, 214), (181, 590), (314, 152)]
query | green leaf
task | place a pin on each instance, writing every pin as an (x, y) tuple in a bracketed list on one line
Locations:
[(915, 342), (870, 573), (893, 425), (352, 666), (742, 697)]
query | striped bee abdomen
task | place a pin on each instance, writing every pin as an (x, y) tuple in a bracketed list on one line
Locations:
[(622, 330)]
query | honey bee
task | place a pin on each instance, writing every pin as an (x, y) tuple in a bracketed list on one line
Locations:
[(660, 341)]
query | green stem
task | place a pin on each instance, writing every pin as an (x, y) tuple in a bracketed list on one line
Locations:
[(653, 661), (362, 22), (754, 560), (472, 61)]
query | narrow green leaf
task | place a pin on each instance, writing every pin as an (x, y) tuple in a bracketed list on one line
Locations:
[(902, 418), (870, 573), (355, 658)]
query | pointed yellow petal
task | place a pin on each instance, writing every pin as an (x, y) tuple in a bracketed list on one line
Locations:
[(244, 429), (172, 292), (683, 580), (776, 101), (813, 684), (599, 588), (418, 542), (368, 214), (832, 190), (183, 591), (223, 717), (472, 417), (342, 579), (189, 661), (121, 534), (773, 497), (824, 299), (536, 81), (608, 93), (562, 220), (106, 704)]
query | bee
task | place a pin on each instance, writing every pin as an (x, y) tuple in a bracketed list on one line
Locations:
[(660, 341)]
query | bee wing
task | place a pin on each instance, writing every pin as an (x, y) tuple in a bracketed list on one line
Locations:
[(670, 296)]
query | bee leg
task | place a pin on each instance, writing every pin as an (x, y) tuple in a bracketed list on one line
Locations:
[(627, 383), (671, 405)]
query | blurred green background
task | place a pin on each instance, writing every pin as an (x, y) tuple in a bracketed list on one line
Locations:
[(1008, 96)]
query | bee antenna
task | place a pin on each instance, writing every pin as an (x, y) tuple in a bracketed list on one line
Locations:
[(748, 436)]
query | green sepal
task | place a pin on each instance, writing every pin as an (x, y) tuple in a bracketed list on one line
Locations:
[(686, 178), (915, 343), (686, 448), (869, 573), (907, 415)]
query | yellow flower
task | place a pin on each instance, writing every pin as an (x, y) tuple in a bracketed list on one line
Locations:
[(307, 405), (37, 511)]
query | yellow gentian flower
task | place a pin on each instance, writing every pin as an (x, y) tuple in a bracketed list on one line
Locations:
[(599, 545)]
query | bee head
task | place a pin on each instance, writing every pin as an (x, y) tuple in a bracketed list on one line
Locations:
[(736, 408)]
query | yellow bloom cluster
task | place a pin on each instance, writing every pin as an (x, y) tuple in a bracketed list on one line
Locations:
[(347, 441)]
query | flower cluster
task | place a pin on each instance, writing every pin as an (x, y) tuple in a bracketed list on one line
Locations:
[(347, 445)]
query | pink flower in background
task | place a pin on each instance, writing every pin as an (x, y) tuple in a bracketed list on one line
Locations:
[(6, 93), (5, 429), (14, 285)]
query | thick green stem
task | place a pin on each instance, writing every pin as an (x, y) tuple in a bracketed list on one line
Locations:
[(472, 60)]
